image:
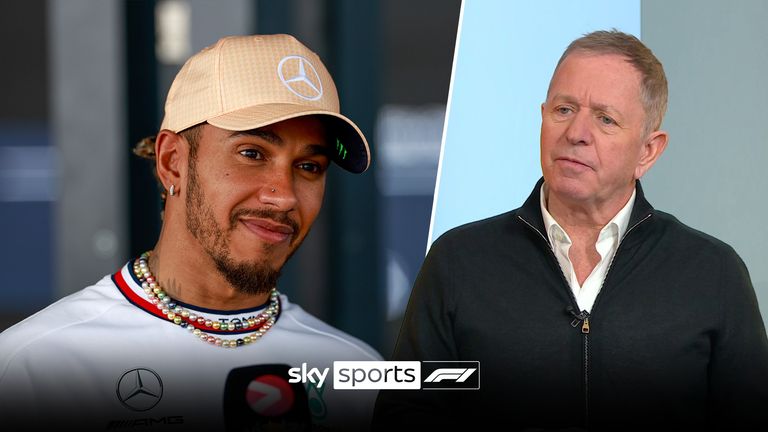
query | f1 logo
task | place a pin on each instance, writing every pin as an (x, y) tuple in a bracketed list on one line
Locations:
[(456, 375)]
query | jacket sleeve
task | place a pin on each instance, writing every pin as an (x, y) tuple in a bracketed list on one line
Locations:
[(427, 333), (738, 372)]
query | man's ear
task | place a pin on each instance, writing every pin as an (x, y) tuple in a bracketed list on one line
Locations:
[(653, 147), (170, 159)]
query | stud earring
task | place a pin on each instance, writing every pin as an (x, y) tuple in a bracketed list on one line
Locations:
[(171, 191)]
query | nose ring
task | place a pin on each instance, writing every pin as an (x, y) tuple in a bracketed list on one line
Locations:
[(273, 189)]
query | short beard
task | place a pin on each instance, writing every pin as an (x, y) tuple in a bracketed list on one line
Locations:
[(247, 278), (251, 278)]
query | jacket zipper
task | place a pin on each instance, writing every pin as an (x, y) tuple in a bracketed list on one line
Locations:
[(583, 316)]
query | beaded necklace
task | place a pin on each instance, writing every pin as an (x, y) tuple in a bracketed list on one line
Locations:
[(197, 323)]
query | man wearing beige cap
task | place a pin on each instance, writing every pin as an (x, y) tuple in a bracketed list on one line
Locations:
[(194, 334)]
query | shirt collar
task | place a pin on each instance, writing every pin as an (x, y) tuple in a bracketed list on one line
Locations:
[(620, 221)]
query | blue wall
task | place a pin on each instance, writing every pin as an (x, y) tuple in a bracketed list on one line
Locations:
[(507, 52)]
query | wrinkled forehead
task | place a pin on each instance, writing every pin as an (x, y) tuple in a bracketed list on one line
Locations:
[(585, 71)]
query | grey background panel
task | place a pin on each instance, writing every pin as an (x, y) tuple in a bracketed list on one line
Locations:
[(712, 175), (88, 128)]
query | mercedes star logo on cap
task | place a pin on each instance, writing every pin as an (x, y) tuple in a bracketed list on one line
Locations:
[(140, 389), (305, 82)]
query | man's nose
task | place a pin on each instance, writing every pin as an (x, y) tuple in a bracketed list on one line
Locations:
[(278, 191), (579, 130)]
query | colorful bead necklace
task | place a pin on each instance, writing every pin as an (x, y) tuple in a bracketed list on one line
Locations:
[(197, 323)]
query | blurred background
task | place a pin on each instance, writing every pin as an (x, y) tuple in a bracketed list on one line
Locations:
[(83, 80)]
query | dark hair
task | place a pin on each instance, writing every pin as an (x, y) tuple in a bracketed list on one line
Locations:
[(146, 149)]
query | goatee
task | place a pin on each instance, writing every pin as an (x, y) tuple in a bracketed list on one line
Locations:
[(248, 278), (257, 277)]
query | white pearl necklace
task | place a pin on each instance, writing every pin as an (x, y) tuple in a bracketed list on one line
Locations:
[(192, 321)]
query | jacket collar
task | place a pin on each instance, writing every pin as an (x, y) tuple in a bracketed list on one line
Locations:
[(530, 212)]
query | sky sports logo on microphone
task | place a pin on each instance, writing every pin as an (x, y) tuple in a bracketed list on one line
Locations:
[(394, 375)]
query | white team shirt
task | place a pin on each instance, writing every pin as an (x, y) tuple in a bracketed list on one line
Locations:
[(100, 358)]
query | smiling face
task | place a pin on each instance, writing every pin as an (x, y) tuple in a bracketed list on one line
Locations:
[(252, 196), (592, 130)]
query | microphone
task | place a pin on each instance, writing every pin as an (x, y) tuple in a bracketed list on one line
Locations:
[(261, 398)]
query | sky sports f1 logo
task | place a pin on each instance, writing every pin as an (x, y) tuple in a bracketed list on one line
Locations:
[(451, 375), (394, 375)]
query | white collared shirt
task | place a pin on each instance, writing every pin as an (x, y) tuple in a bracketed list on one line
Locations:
[(607, 244)]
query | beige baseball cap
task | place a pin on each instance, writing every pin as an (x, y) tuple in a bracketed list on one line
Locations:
[(247, 82)]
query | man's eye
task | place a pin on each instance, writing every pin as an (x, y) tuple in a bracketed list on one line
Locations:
[(252, 154), (563, 110), (607, 120), (310, 167)]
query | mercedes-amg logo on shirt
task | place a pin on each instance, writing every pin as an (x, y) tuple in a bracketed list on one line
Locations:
[(140, 389), (300, 77)]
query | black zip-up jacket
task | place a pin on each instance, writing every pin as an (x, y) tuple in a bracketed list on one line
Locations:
[(675, 336)]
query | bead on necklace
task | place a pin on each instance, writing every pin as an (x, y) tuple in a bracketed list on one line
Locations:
[(196, 323)]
